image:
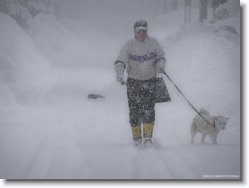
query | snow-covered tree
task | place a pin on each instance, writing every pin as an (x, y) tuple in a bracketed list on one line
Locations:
[(19, 12), (216, 4), (33, 8), (165, 6), (223, 12), (172, 5), (187, 11), (23, 10), (155, 8), (203, 10)]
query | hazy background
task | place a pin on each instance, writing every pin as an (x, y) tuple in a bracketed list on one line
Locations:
[(121, 15)]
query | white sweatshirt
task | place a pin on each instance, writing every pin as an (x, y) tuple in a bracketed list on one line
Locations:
[(142, 59)]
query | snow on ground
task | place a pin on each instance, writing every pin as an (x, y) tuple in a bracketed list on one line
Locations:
[(50, 130)]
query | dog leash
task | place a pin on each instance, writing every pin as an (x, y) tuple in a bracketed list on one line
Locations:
[(185, 97)]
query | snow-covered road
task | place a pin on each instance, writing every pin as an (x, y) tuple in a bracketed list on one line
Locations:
[(50, 130), (63, 135)]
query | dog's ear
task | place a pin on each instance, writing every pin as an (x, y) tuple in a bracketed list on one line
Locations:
[(228, 118)]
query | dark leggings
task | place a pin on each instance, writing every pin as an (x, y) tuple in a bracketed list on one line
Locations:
[(141, 101)]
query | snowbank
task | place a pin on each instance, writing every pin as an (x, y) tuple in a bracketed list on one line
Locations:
[(19, 50), (22, 67), (51, 37)]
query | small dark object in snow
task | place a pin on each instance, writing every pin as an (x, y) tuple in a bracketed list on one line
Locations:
[(95, 96)]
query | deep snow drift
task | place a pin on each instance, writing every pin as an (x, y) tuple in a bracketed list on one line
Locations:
[(49, 128)]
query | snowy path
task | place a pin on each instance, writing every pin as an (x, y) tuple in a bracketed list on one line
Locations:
[(69, 137), (49, 129)]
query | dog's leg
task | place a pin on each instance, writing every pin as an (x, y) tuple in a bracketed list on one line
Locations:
[(192, 139), (193, 131), (213, 138), (202, 138)]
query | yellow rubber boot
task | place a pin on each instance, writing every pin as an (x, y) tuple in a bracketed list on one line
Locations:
[(148, 130), (136, 132)]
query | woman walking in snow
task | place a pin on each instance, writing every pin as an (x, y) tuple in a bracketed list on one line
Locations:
[(143, 58)]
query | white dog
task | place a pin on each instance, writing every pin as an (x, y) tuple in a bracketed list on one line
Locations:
[(200, 125)]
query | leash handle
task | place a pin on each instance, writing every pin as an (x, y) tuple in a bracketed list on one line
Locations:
[(184, 96)]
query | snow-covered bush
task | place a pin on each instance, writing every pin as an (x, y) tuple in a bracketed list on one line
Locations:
[(19, 13), (223, 12), (24, 10)]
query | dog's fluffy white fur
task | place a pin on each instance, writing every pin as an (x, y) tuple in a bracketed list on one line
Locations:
[(200, 125)]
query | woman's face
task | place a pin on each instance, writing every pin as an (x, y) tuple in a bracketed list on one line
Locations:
[(140, 35)]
